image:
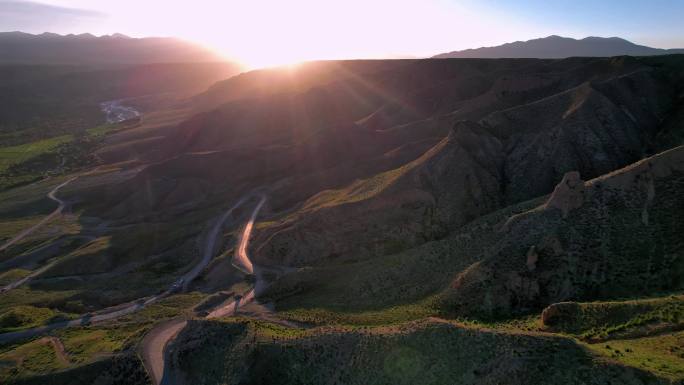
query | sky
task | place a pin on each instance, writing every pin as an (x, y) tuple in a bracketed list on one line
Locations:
[(271, 32)]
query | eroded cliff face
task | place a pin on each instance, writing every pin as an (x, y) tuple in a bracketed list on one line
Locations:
[(621, 236), (568, 194), (508, 157)]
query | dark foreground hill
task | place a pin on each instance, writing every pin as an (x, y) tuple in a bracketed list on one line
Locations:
[(555, 47)]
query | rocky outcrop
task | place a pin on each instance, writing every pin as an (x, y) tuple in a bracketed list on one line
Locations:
[(568, 194), (558, 313)]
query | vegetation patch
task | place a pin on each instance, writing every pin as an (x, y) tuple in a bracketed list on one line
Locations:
[(599, 321), (392, 315), (93, 345), (22, 317), (35, 357), (13, 275), (23, 152), (431, 351), (662, 355)]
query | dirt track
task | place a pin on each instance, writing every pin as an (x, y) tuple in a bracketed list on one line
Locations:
[(154, 344), (43, 221)]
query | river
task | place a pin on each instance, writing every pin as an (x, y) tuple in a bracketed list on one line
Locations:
[(116, 112)]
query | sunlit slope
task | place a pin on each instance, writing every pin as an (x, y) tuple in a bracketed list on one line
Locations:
[(406, 206)]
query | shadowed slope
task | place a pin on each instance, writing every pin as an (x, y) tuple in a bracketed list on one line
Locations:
[(621, 238), (426, 352)]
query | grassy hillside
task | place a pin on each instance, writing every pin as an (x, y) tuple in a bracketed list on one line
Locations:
[(425, 352), (91, 351), (619, 238), (598, 321), (21, 153)]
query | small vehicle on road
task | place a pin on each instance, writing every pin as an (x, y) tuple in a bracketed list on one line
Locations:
[(177, 286)]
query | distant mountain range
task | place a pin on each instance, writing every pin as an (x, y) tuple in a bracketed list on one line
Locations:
[(87, 49), (553, 47)]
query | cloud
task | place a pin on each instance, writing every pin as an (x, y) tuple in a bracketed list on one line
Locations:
[(34, 17)]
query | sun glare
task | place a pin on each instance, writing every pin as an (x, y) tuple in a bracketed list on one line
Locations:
[(265, 61), (267, 33)]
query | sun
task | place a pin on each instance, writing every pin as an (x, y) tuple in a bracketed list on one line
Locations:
[(267, 61), (258, 52)]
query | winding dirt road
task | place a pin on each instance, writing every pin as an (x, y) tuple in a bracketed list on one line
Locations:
[(87, 319), (154, 347), (29, 277), (58, 347), (240, 259), (210, 244), (155, 343), (242, 262), (124, 309), (43, 221)]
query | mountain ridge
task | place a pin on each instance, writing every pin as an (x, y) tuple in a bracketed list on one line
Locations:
[(87, 49), (558, 47)]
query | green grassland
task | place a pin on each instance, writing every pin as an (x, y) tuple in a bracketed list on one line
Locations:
[(386, 316), (661, 355), (119, 369), (87, 345), (27, 162), (20, 317), (103, 130), (643, 334), (26, 297), (31, 358), (27, 200), (598, 321), (58, 229), (21, 153), (12, 227), (84, 274), (9, 276)]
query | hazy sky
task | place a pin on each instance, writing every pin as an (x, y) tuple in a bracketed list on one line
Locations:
[(263, 32)]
